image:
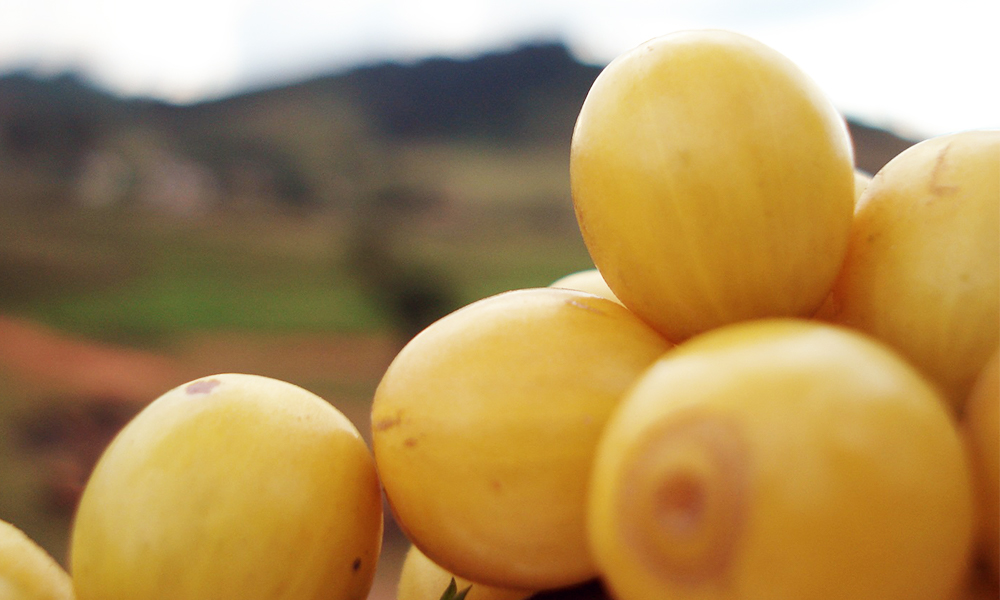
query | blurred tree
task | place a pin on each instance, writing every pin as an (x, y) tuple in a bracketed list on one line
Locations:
[(411, 292)]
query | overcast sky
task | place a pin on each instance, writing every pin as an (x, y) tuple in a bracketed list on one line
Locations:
[(923, 67)]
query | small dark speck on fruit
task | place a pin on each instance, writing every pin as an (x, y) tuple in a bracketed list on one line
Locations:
[(356, 564), (202, 386)]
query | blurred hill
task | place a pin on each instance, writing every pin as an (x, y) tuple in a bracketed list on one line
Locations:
[(426, 185), (332, 142)]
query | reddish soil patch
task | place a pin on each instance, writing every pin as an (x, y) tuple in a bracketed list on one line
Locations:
[(42, 357), (347, 359), (69, 396)]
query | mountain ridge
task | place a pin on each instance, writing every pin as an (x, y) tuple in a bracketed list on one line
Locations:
[(308, 133)]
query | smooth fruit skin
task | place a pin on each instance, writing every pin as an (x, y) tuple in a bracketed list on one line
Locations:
[(484, 428), (712, 182), (422, 579), (27, 572), (587, 280), (781, 460), (981, 426), (234, 487), (922, 271)]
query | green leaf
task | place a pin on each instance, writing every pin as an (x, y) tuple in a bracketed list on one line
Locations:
[(452, 593)]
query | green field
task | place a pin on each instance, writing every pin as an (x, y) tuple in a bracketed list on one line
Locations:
[(139, 278)]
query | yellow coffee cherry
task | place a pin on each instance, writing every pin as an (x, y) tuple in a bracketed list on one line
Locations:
[(27, 571), (422, 579), (231, 487), (922, 271), (781, 460), (484, 428), (713, 182), (587, 280), (981, 425)]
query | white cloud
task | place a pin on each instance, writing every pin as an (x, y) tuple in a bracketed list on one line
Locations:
[(45, 35), (923, 64), (177, 50), (914, 65), (904, 63)]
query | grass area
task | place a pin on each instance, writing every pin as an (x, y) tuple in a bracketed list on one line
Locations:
[(488, 173), (141, 278), (152, 307), (150, 277), (492, 265)]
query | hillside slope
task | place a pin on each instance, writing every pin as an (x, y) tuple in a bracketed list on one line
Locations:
[(334, 140)]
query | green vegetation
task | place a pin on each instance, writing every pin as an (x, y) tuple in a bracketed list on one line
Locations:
[(140, 278)]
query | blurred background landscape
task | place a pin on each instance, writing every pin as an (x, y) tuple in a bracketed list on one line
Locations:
[(302, 231)]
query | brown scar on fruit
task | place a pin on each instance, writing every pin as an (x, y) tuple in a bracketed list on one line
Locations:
[(410, 442), (202, 386), (698, 515), (387, 423), (936, 187), (356, 564)]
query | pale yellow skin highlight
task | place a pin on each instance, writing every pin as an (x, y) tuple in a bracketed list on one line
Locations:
[(484, 429), (861, 181), (981, 425), (713, 182), (231, 487), (922, 271), (422, 579), (587, 280), (781, 460), (28, 572)]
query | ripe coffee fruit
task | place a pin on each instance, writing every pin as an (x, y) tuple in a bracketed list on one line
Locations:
[(781, 460), (422, 579), (484, 428), (712, 181), (922, 271), (234, 487), (28, 572)]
